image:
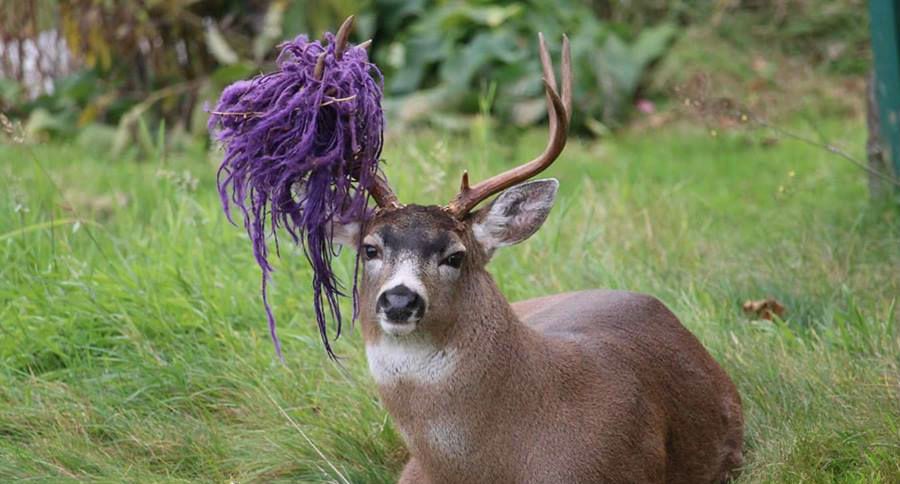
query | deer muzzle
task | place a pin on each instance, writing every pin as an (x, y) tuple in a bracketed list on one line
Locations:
[(399, 309)]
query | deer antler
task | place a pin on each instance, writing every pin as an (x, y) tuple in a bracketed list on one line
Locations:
[(559, 109), (381, 192), (340, 39)]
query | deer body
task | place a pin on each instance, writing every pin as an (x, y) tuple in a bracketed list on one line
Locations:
[(595, 386)]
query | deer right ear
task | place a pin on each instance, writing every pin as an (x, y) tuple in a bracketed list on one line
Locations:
[(346, 234), (515, 214)]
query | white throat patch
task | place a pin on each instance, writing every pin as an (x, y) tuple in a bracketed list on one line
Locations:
[(412, 359)]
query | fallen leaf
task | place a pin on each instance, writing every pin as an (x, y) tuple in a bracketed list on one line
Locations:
[(764, 308)]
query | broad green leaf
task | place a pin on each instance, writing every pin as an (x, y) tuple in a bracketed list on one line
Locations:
[(218, 46), (653, 42)]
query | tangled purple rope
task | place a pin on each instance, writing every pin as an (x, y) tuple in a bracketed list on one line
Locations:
[(301, 152)]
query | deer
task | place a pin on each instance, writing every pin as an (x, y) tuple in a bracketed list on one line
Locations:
[(579, 387)]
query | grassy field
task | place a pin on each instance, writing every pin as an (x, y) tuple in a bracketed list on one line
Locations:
[(133, 344)]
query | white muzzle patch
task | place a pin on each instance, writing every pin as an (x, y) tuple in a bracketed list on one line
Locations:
[(398, 329)]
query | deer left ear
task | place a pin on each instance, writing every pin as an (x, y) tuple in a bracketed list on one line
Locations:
[(346, 234), (515, 214)]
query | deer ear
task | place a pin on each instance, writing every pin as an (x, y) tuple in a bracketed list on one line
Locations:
[(515, 214), (346, 234)]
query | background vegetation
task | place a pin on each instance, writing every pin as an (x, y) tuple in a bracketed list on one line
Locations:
[(121, 65), (133, 346)]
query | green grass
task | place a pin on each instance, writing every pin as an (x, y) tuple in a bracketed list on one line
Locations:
[(133, 346)]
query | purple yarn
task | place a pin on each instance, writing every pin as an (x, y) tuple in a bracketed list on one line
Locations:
[(299, 153)]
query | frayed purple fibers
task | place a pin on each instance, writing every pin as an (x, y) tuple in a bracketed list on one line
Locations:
[(301, 152)]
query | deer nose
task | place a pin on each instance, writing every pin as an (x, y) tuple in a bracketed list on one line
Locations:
[(400, 304)]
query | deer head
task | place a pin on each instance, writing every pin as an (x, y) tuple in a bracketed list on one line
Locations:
[(421, 264)]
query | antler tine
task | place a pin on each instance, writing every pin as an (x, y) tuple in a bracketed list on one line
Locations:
[(340, 40), (340, 45), (559, 109), (549, 78), (320, 67), (567, 76)]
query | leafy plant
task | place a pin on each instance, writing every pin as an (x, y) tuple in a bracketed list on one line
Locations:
[(161, 60), (133, 60), (440, 56)]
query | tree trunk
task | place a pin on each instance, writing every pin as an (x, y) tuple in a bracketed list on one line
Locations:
[(876, 153)]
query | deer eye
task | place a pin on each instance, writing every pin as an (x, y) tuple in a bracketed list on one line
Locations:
[(454, 260), (370, 251)]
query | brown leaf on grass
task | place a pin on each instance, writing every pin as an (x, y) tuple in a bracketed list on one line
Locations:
[(764, 308)]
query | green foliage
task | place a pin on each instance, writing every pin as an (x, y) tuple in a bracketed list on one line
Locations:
[(832, 34), (133, 346), (437, 56), (441, 56), (151, 61), (161, 61)]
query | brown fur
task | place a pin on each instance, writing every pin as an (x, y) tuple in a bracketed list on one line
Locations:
[(583, 387)]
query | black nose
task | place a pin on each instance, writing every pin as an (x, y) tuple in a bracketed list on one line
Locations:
[(399, 303)]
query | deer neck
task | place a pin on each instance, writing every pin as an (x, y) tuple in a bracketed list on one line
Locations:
[(486, 339)]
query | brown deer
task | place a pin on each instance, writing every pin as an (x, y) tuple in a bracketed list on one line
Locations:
[(590, 386)]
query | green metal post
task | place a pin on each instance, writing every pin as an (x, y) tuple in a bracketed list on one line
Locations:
[(885, 26)]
